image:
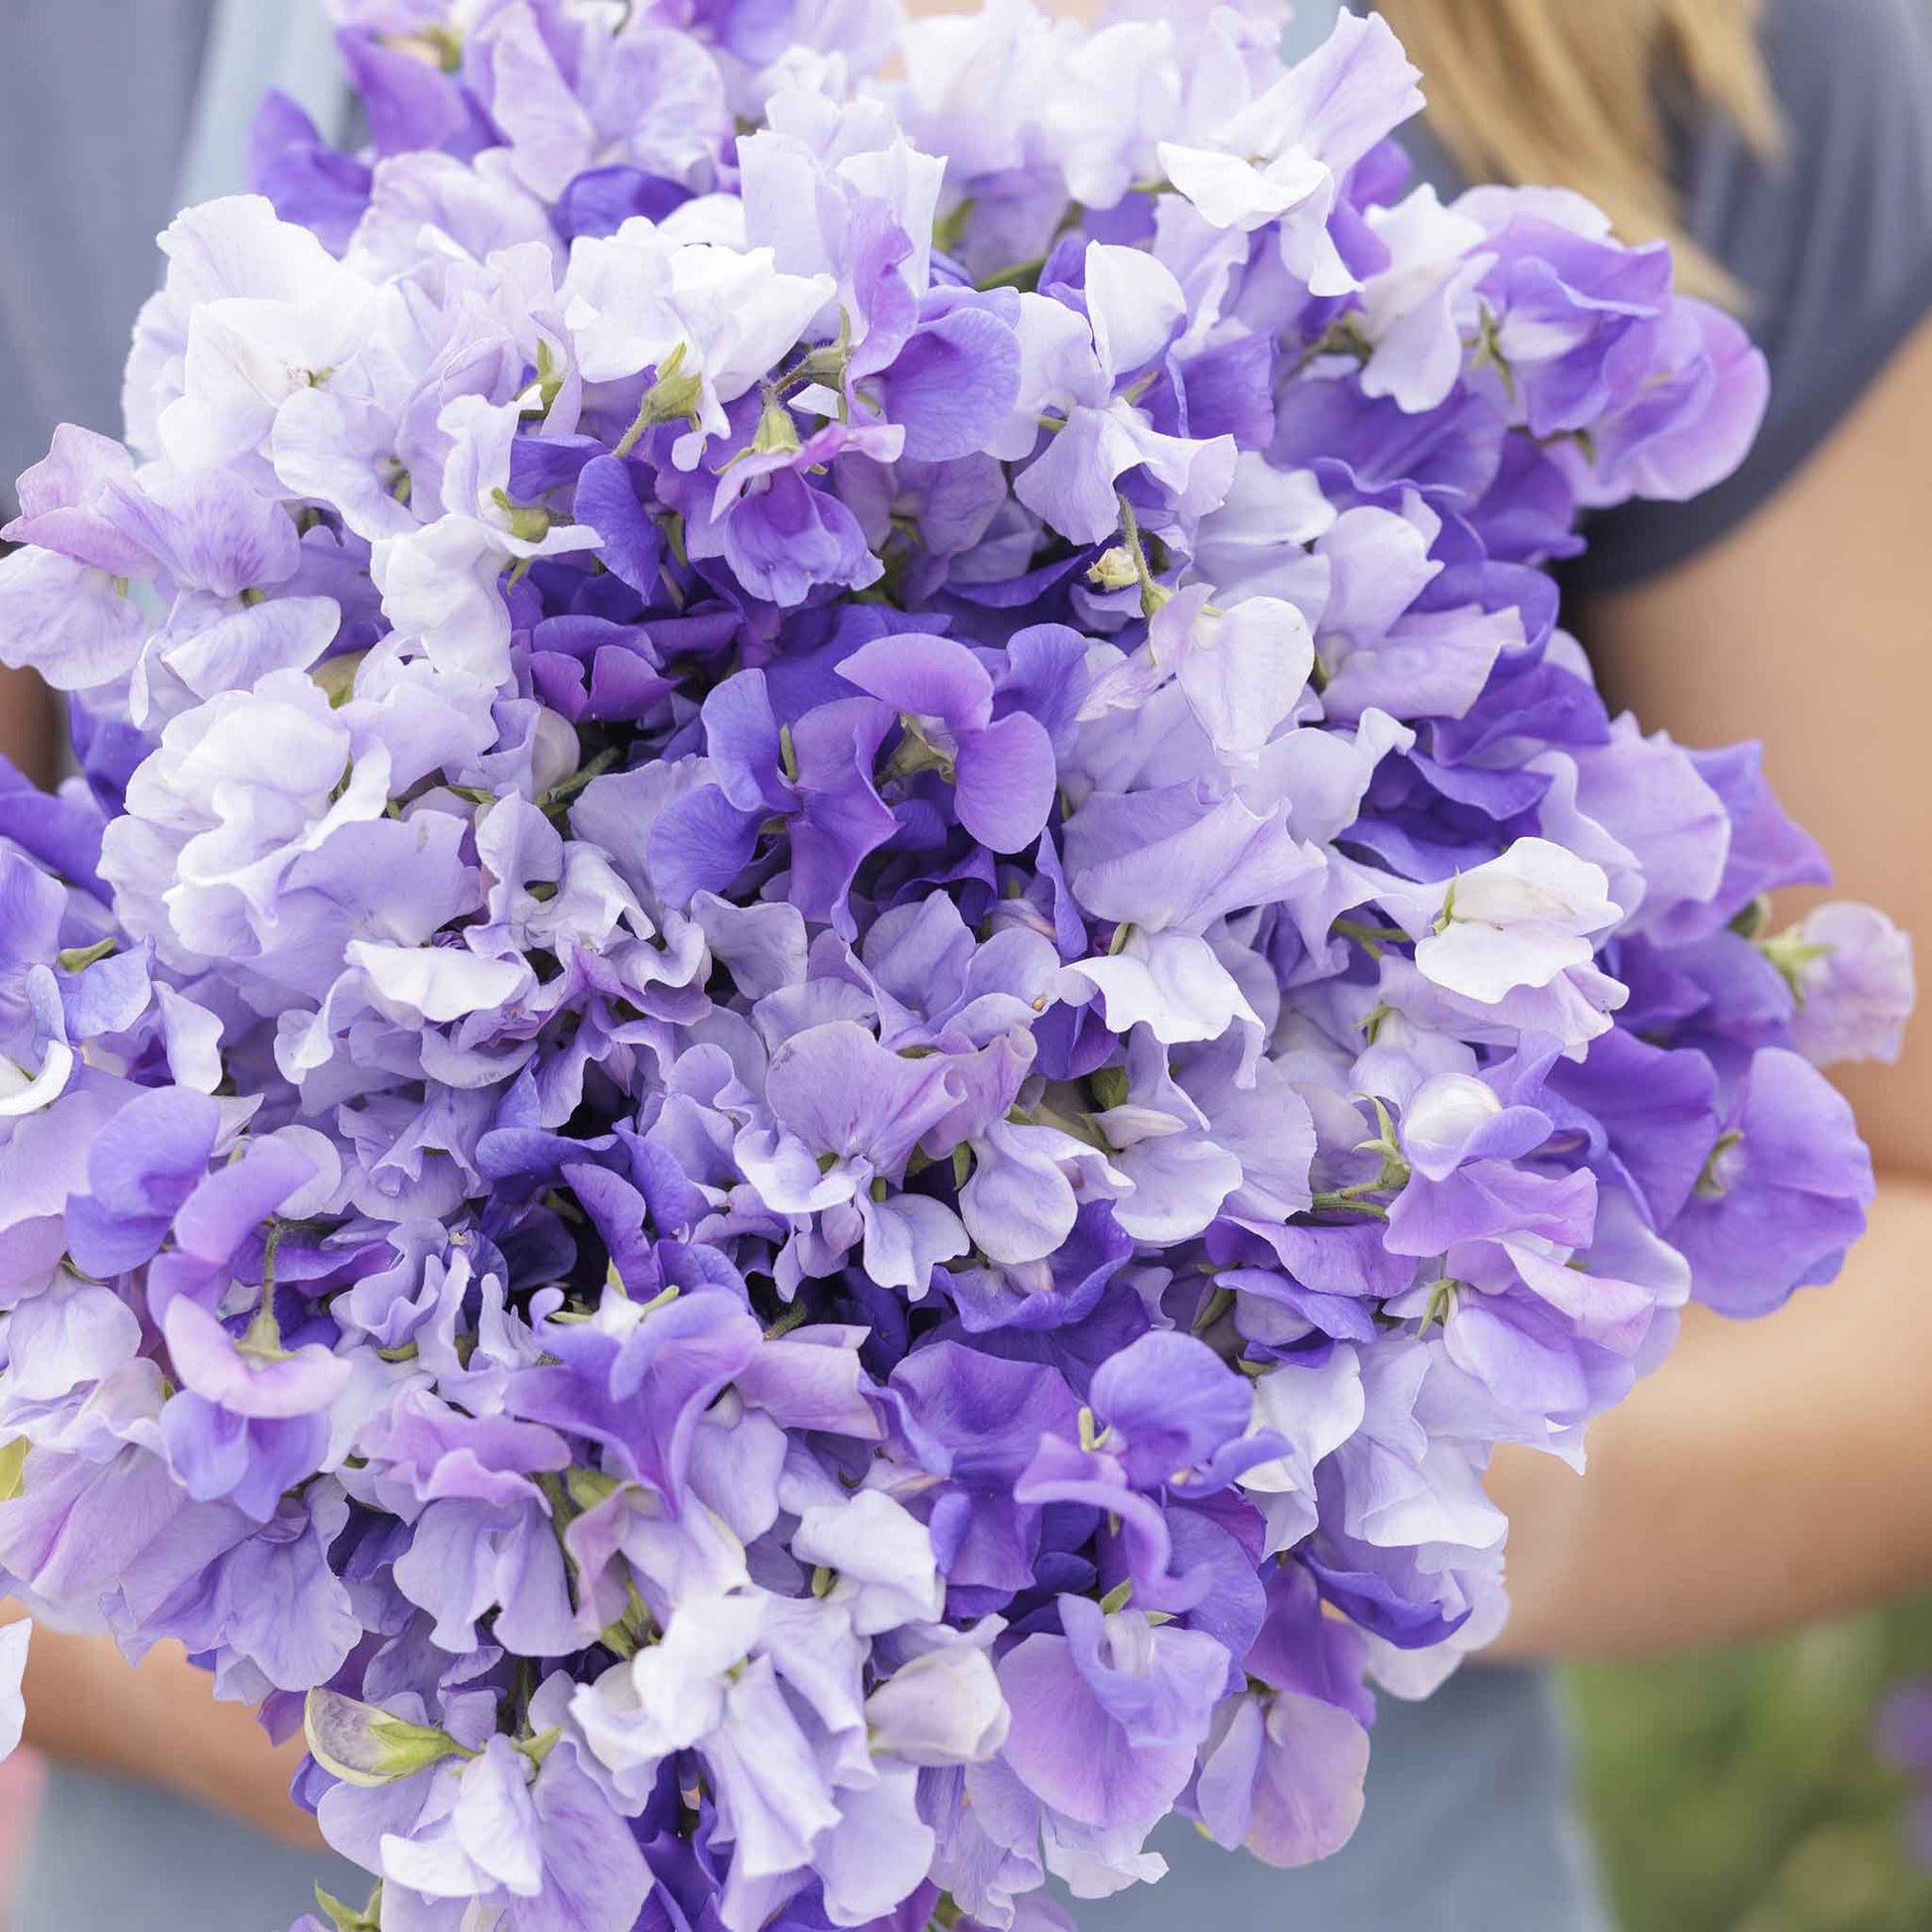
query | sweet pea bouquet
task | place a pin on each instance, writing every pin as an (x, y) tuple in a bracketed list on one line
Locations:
[(848, 981)]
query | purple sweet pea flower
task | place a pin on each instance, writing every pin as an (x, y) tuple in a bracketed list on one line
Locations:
[(1784, 1191), (1173, 1404), (973, 1422), (1002, 768)]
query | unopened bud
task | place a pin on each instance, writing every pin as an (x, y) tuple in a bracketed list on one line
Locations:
[(363, 1745)]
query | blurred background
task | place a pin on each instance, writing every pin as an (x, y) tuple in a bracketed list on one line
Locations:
[(1786, 1788)]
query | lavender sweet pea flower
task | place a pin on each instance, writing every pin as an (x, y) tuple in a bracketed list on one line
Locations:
[(644, 95), (532, 1833), (973, 1423), (1853, 975), (141, 1171), (1106, 1719), (1283, 1772), (1461, 1142), (779, 533), (1022, 1199), (848, 1115), (1177, 858), (253, 1376), (1173, 1404), (65, 610)]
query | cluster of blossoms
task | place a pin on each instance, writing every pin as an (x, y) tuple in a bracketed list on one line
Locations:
[(848, 984)]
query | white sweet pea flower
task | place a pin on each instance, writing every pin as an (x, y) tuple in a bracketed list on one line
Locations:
[(1314, 1411), (976, 85), (14, 1638), (881, 1558), (681, 1682), (437, 985), (1282, 157), (1415, 310), (1071, 368), (637, 299), (442, 584), (1119, 88), (1257, 544), (1522, 919), (944, 1707), (1171, 982), (253, 309), (1441, 1113), (1242, 669), (800, 173)]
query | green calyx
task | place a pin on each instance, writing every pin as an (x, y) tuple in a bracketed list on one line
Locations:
[(1443, 1294), (1392, 1179), (1371, 938), (350, 1918), (777, 433), (917, 753), (537, 1749), (1486, 351), (334, 677), (1791, 955), (674, 397), (1154, 595), (528, 524)]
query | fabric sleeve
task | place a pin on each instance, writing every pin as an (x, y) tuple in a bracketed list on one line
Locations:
[(1831, 241)]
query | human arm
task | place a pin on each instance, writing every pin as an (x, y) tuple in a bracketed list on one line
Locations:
[(1772, 1474), (159, 1724), (27, 724)]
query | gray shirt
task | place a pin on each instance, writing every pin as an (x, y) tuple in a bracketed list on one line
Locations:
[(1831, 242), (1467, 1827), (95, 104)]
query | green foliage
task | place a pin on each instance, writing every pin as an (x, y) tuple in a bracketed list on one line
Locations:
[(1740, 1791)]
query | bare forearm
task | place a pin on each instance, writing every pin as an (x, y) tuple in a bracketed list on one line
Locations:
[(159, 1724), (1770, 1473), (27, 730)]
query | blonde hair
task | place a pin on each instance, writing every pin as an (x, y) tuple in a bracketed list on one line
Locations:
[(1567, 93)]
